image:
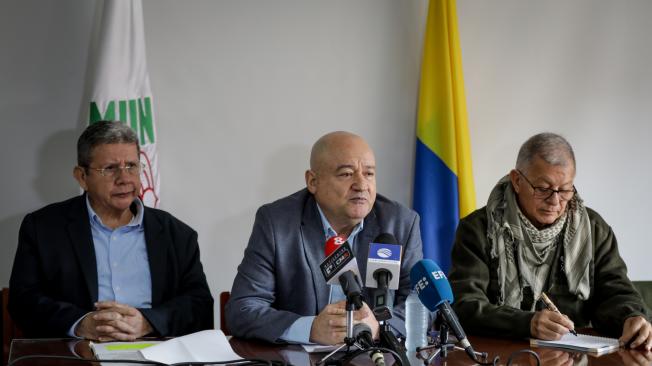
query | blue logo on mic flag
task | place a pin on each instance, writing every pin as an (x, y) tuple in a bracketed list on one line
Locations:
[(384, 253), (389, 252)]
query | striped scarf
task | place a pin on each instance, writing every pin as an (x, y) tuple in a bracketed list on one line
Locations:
[(509, 235)]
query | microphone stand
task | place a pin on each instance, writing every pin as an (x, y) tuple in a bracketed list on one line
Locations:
[(348, 340), (441, 345), (388, 340)]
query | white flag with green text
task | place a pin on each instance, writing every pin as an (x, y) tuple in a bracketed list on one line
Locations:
[(118, 83)]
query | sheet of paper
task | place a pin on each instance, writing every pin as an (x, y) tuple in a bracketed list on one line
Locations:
[(204, 346), (120, 351), (317, 348)]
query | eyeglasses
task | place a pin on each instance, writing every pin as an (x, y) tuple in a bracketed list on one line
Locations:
[(545, 193), (112, 170)]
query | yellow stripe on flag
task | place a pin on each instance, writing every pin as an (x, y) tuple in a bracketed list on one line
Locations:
[(442, 119)]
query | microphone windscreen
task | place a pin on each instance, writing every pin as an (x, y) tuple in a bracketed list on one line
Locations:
[(332, 244), (385, 238), (430, 282)]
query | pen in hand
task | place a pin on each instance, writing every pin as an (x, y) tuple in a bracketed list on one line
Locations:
[(552, 307)]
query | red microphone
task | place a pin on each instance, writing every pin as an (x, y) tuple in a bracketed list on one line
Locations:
[(332, 244)]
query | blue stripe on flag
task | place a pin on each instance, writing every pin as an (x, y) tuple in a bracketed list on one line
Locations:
[(436, 201)]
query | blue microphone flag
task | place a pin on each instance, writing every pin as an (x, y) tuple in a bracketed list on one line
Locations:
[(431, 284)]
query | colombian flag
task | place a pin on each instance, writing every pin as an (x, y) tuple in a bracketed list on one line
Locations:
[(443, 182)]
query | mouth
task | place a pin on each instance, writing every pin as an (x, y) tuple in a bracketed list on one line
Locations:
[(358, 200), (123, 194)]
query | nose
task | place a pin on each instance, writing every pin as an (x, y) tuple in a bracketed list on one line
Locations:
[(120, 175), (554, 198), (360, 183)]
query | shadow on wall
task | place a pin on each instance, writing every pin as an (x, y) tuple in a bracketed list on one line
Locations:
[(222, 250), (53, 183), (221, 257), (285, 170), (9, 226), (56, 159)]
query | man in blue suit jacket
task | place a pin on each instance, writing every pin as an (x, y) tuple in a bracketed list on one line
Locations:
[(102, 265), (279, 294)]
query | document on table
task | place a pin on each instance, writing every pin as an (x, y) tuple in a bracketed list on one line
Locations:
[(204, 346), (120, 351), (318, 348)]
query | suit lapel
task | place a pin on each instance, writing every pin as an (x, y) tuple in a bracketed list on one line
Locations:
[(312, 237), (156, 254), (79, 229)]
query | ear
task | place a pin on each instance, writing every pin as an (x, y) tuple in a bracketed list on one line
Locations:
[(311, 181), (515, 177), (80, 175)]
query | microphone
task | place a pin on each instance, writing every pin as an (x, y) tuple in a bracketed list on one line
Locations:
[(435, 293), (351, 288), (340, 266), (383, 272), (332, 244), (362, 335)]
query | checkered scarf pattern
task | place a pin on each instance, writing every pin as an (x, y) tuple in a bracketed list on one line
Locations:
[(525, 254)]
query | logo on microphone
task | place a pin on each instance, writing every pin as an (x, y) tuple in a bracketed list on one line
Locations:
[(384, 253), (421, 284), (337, 261), (438, 275)]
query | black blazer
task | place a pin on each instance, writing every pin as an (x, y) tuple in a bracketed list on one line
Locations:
[(54, 278)]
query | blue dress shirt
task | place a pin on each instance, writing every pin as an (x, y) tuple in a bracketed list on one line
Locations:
[(299, 331), (122, 263)]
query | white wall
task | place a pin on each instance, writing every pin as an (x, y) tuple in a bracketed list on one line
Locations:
[(242, 88)]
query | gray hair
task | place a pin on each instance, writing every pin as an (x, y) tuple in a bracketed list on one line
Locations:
[(103, 132), (552, 148)]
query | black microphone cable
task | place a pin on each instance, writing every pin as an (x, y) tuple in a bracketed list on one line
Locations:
[(526, 351), (239, 362), (350, 356), (388, 339), (496, 360), (362, 335)]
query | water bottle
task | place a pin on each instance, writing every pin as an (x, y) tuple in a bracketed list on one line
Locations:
[(416, 323)]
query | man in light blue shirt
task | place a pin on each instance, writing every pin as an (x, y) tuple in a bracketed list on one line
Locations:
[(121, 256), (299, 331), (279, 293), (103, 266)]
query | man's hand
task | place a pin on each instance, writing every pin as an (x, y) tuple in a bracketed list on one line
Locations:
[(369, 319), (113, 321), (637, 331), (329, 327), (549, 325), (555, 357), (635, 357), (87, 329)]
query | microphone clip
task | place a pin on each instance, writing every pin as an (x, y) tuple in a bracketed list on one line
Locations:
[(382, 313)]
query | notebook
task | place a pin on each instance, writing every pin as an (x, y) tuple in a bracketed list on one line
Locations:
[(584, 343)]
